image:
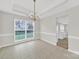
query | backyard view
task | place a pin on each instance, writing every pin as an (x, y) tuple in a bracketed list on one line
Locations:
[(23, 29)]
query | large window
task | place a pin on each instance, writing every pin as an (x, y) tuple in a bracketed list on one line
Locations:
[(23, 29)]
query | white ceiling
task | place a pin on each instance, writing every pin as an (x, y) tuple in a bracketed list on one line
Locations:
[(44, 7), (68, 4), (41, 5)]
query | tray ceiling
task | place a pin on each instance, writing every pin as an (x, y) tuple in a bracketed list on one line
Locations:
[(41, 5)]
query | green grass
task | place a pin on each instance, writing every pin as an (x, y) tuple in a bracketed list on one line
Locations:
[(20, 37), (29, 35)]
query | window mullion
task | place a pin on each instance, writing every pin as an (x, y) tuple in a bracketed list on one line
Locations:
[(25, 30)]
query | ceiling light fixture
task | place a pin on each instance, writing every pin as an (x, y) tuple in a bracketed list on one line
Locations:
[(34, 17), (34, 9)]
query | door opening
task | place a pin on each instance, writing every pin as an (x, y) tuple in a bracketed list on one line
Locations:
[(62, 35)]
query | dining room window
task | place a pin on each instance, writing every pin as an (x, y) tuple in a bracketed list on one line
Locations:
[(23, 29)]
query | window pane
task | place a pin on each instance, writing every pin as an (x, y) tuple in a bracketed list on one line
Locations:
[(20, 35), (23, 29), (29, 33), (20, 25), (19, 29), (29, 29), (30, 26)]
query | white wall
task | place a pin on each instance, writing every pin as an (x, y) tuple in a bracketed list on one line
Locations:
[(48, 28), (6, 22), (7, 29), (74, 29), (7, 6), (37, 29)]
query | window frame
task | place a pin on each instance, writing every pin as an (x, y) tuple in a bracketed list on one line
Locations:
[(25, 30)]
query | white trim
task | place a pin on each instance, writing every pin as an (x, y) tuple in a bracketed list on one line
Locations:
[(8, 34), (57, 4), (49, 42), (15, 19), (74, 37), (43, 15), (49, 34), (6, 45), (15, 43), (65, 7), (52, 34), (73, 51)]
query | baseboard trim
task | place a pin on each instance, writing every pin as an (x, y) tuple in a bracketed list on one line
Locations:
[(49, 34), (49, 42), (54, 43), (15, 43), (6, 45), (75, 52)]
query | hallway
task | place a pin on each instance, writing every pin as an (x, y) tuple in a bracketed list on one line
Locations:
[(36, 50)]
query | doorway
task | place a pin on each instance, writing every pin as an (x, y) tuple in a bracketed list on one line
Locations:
[(62, 35)]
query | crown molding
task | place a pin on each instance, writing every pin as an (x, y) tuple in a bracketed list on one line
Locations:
[(66, 5), (53, 6)]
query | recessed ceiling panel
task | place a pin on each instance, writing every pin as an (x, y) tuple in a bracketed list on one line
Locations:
[(41, 5)]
